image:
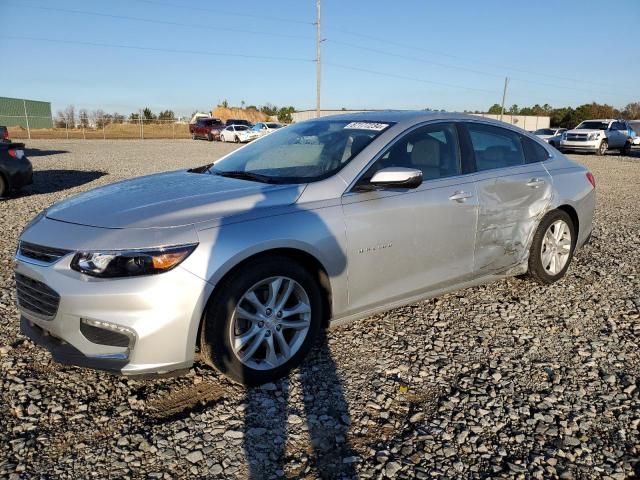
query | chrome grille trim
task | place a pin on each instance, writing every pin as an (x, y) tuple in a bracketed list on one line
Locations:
[(41, 253), (36, 298)]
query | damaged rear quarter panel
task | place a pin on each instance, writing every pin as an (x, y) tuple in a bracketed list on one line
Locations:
[(508, 213)]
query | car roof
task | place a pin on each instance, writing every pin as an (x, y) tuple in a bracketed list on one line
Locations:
[(410, 117), (600, 120)]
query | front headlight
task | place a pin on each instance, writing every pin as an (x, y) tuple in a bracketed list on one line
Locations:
[(593, 136), (130, 263)]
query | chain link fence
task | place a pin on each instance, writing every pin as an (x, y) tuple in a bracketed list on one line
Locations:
[(98, 128)]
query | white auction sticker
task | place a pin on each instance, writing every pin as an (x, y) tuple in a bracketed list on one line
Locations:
[(377, 127)]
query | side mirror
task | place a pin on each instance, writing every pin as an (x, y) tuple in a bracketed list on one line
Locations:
[(397, 177)]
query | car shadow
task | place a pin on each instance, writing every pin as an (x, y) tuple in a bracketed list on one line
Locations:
[(51, 181), (36, 152), (269, 416), (277, 428)]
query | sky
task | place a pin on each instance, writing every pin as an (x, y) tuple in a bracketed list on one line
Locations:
[(123, 55)]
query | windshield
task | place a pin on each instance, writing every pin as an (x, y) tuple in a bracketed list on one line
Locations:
[(209, 123), (545, 131), (303, 152), (274, 125), (593, 126), (240, 127)]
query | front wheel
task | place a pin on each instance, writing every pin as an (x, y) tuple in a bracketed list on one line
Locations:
[(604, 146), (193, 136), (210, 137), (237, 140), (552, 247), (262, 321), (222, 139)]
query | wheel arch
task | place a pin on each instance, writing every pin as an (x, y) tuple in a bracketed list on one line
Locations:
[(573, 214), (309, 261)]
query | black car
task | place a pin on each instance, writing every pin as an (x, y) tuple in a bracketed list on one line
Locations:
[(15, 169), (237, 121)]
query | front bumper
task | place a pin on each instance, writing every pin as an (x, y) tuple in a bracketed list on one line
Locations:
[(160, 314), (588, 146)]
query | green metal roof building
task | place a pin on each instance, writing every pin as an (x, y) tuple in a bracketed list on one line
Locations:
[(16, 111)]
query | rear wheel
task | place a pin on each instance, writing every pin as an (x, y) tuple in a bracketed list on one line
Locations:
[(262, 322), (552, 247), (626, 150), (210, 137), (603, 147)]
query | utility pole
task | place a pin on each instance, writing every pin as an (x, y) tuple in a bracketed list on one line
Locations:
[(504, 96), (318, 40)]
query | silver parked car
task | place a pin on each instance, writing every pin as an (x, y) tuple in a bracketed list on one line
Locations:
[(321, 222)]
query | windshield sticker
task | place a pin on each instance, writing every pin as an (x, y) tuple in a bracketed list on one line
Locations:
[(376, 127)]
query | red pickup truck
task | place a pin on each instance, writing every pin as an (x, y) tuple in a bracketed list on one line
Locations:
[(208, 128)]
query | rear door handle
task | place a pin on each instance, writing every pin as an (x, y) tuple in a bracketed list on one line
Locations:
[(460, 196), (535, 182)]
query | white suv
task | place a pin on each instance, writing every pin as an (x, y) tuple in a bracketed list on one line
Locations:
[(597, 136)]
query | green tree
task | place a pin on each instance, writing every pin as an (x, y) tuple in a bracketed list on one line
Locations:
[(269, 109), (495, 109), (148, 115), (632, 111), (284, 114), (166, 115), (514, 110)]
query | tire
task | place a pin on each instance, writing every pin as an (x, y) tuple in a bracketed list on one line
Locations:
[(3, 187), (193, 136), (626, 150), (222, 138), (603, 147), (210, 137), (237, 140), (546, 274), (221, 322)]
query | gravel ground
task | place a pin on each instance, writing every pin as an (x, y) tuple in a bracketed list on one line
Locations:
[(506, 380)]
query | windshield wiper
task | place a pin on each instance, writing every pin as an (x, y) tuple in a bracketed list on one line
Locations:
[(255, 177)]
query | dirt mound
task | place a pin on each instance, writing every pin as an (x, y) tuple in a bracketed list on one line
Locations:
[(239, 113)]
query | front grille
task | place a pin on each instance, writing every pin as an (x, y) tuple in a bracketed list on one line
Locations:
[(577, 137), (40, 253), (103, 336), (36, 297)]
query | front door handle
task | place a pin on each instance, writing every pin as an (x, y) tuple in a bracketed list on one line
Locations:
[(535, 182), (460, 196)]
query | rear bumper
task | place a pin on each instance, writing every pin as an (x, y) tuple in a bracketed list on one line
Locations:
[(21, 175)]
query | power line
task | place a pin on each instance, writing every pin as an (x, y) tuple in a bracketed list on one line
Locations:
[(454, 67), (465, 59), (404, 77), (157, 49), (165, 22), (222, 12)]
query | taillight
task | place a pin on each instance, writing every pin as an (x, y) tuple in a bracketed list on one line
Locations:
[(591, 179), (13, 153)]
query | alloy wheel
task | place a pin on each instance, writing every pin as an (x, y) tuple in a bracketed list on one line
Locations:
[(556, 247), (270, 323)]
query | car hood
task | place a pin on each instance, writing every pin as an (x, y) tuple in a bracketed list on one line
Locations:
[(544, 137), (170, 200)]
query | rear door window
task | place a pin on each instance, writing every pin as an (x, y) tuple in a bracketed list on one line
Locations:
[(495, 147), (533, 151)]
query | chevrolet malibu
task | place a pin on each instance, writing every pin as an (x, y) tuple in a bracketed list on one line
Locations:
[(329, 220)]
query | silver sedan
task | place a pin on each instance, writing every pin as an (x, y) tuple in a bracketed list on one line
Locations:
[(325, 221)]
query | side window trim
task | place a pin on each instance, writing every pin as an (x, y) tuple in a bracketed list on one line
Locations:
[(383, 151)]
